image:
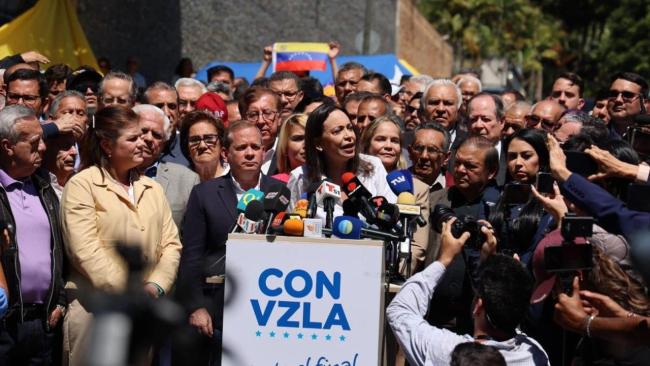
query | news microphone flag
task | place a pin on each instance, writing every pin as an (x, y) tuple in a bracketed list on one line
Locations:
[(400, 181), (300, 56), (248, 196), (347, 227)]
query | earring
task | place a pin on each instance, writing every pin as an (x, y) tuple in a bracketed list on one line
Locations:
[(319, 148)]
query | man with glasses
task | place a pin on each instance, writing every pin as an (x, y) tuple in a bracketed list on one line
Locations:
[(515, 118), (347, 78), (165, 97), (260, 106), (287, 85), (625, 101), (117, 88), (176, 180), (189, 91), (429, 153), (567, 90), (545, 115)]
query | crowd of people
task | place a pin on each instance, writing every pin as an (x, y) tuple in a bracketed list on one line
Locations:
[(94, 159)]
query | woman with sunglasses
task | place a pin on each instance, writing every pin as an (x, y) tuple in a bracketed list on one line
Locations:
[(201, 140)]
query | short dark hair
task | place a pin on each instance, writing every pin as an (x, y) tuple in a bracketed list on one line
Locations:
[(498, 103), (193, 118), (29, 74), (253, 94), (351, 66), (285, 75), (574, 79), (384, 83), (476, 354), (57, 73), (505, 289), (634, 78), (491, 154), (214, 70), (379, 99), (236, 126)]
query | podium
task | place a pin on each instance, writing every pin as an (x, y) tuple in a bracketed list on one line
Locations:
[(303, 301)]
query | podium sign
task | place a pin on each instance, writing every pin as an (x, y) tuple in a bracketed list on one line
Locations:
[(303, 302)]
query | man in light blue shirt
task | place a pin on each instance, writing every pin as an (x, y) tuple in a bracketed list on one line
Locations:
[(501, 300)]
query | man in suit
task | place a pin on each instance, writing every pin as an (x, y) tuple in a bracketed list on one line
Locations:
[(176, 180), (211, 214), (474, 194), (487, 118), (261, 106)]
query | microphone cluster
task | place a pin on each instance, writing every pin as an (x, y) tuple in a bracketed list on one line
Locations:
[(266, 213)]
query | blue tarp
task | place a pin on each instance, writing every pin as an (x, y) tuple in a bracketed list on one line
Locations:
[(387, 64)]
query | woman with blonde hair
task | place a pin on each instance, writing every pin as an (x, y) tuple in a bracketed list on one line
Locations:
[(382, 138), (290, 152)]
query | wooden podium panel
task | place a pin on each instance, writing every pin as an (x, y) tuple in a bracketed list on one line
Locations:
[(303, 301)]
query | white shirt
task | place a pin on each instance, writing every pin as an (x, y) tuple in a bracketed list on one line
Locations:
[(268, 157), (498, 147), (239, 191), (427, 345), (375, 183)]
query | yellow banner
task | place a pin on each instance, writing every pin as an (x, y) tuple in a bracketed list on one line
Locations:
[(52, 28)]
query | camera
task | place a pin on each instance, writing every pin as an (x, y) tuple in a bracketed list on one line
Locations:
[(638, 135), (463, 223)]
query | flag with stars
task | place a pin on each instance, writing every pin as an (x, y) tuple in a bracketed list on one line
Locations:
[(300, 56)]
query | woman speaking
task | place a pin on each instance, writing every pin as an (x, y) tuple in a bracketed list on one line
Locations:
[(107, 203)]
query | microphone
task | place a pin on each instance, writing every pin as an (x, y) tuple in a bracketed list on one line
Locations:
[(276, 200), (359, 195), (407, 207), (249, 221), (327, 196), (347, 227), (301, 208), (276, 226), (248, 196), (350, 209), (388, 217), (313, 204), (400, 181), (293, 227)]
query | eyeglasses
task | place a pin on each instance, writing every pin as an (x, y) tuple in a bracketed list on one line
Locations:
[(171, 106), (533, 120), (421, 149), (83, 88), (27, 98), (627, 96), (113, 100), (267, 115), (210, 140)]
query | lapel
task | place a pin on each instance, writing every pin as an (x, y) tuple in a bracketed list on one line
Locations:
[(226, 192), (101, 178), (162, 176)]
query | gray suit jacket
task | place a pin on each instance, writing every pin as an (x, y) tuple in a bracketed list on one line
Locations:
[(177, 181)]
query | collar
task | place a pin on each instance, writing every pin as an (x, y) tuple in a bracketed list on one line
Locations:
[(239, 189), (7, 181), (498, 147), (439, 183), (268, 154)]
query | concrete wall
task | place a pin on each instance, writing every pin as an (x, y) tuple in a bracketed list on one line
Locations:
[(420, 44), (159, 33)]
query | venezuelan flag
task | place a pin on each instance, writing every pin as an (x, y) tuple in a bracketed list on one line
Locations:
[(300, 56)]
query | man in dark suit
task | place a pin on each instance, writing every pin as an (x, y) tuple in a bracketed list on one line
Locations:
[(261, 106), (474, 194), (487, 118), (176, 180), (210, 216)]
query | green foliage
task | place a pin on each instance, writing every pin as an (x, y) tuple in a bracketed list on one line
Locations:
[(593, 38)]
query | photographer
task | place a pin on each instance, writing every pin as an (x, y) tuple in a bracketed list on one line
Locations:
[(475, 165), (500, 302)]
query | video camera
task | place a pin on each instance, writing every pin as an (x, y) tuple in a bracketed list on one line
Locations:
[(570, 258), (463, 223)]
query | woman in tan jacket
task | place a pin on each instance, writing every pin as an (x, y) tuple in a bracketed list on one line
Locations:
[(107, 203)]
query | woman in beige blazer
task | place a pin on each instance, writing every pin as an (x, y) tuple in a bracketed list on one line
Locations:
[(107, 203)]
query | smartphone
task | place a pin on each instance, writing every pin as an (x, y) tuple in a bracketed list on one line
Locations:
[(577, 226), (544, 182), (580, 163), (638, 197), (568, 257), (516, 193)]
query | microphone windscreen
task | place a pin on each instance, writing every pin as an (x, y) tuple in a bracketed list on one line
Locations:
[(248, 196), (277, 199), (254, 211), (301, 208), (400, 181), (347, 227), (406, 198), (294, 227), (346, 177)]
